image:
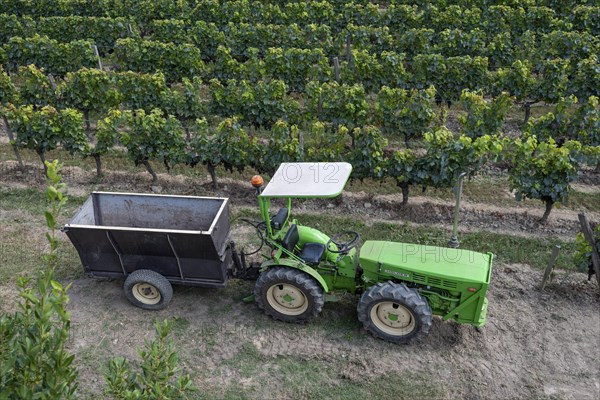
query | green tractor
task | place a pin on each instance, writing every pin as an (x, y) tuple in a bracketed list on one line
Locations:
[(401, 285)]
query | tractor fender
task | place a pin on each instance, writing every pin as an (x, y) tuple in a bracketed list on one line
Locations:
[(287, 262)]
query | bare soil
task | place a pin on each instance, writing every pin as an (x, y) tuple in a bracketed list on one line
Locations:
[(534, 345)]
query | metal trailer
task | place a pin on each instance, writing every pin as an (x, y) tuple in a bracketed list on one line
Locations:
[(153, 241)]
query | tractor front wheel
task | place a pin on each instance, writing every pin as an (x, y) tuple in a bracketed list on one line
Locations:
[(393, 312), (288, 294)]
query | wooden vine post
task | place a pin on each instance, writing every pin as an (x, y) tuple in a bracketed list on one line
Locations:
[(589, 236), (550, 267), (97, 54), (348, 52), (11, 138), (52, 81)]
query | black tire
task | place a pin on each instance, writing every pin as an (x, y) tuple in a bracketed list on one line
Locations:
[(148, 289), (304, 299), (393, 312)]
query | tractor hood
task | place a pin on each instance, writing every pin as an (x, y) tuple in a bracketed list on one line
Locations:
[(408, 261)]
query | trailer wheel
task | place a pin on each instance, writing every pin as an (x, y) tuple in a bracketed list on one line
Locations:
[(393, 312), (288, 294), (148, 289)]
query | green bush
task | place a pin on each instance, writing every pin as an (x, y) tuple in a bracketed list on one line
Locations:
[(34, 361), (583, 252), (158, 378)]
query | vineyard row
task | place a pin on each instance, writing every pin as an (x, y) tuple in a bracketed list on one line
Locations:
[(500, 45), (501, 35), (543, 162), (547, 81), (504, 14)]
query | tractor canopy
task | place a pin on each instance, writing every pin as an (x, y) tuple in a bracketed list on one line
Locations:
[(300, 180), (308, 180)]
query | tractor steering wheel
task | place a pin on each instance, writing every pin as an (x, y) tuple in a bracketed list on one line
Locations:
[(343, 247)]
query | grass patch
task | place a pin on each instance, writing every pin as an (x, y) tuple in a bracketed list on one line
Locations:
[(20, 254), (17, 259), (492, 190), (180, 324), (22, 241), (117, 160), (534, 251), (587, 201), (34, 201), (483, 189), (334, 378)]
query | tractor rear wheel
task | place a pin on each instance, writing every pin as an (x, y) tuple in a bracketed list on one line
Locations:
[(288, 294), (393, 312)]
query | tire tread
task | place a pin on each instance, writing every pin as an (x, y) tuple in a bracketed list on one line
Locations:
[(155, 279), (314, 292), (391, 291)]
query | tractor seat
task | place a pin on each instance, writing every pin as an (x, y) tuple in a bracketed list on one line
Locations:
[(278, 220), (311, 252)]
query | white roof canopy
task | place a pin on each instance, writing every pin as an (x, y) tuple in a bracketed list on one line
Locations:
[(308, 179)]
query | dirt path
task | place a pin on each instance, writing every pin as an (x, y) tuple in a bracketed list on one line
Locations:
[(535, 345)]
